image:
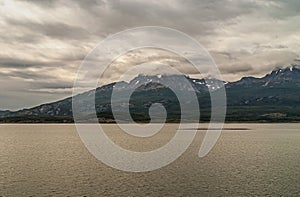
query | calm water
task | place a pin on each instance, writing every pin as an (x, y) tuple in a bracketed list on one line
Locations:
[(47, 160)]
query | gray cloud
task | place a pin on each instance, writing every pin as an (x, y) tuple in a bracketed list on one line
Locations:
[(10, 62), (43, 42), (56, 30), (44, 4)]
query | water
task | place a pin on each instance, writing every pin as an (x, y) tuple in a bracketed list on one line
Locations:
[(47, 160)]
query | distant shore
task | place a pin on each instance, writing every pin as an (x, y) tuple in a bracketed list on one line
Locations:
[(139, 122)]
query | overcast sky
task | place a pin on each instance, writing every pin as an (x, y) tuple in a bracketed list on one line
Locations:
[(44, 41)]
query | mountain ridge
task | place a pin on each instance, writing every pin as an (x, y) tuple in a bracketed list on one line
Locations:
[(274, 97)]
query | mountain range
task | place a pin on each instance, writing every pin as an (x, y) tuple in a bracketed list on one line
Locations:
[(272, 98)]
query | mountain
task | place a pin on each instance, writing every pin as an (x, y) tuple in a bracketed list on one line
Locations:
[(4, 112), (280, 87), (278, 77), (272, 98)]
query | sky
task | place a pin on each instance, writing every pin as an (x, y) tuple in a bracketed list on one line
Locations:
[(44, 42)]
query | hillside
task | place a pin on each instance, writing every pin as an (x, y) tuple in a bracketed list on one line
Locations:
[(272, 98)]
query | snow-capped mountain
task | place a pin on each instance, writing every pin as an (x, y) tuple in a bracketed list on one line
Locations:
[(278, 77), (146, 82), (274, 97)]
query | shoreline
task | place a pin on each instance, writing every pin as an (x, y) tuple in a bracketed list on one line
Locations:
[(106, 123)]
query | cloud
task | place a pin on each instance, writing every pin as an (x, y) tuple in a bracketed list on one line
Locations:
[(56, 30), (43, 42)]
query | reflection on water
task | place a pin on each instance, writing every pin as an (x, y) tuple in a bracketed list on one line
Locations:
[(249, 159)]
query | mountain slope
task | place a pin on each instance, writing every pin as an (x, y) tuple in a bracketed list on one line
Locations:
[(272, 98)]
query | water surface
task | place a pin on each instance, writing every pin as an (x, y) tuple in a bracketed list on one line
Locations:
[(257, 159)]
